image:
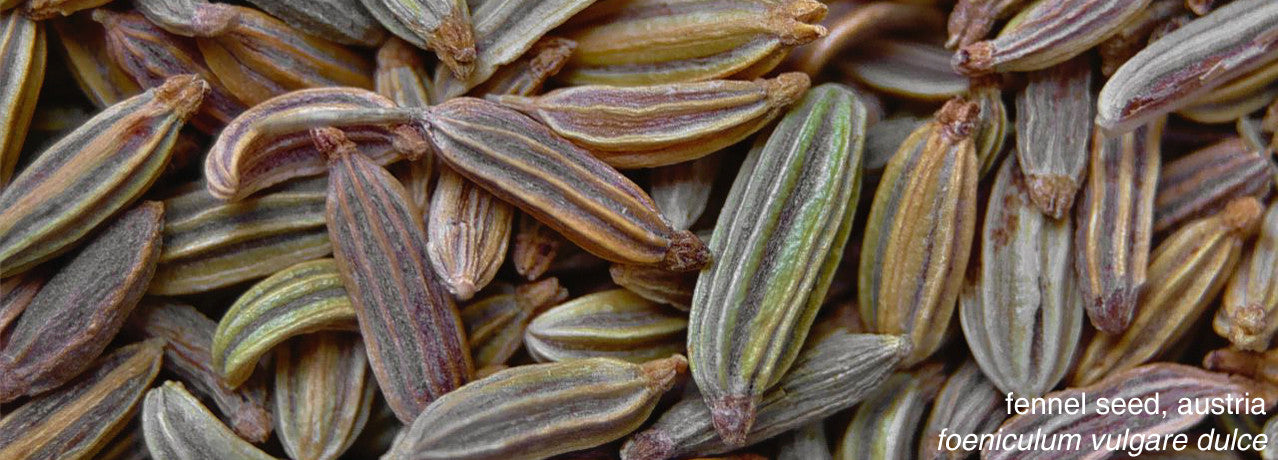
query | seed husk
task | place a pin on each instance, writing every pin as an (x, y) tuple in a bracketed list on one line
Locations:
[(41, 10), (884, 425), (305, 298), (495, 324), (152, 56), (176, 425), (441, 25), (342, 21), (23, 50), (1172, 381), (1181, 66), (91, 173), (79, 418), (575, 405), (210, 244), (1053, 125), (615, 324), (323, 394), (468, 232), (907, 69), (1115, 224), (830, 375), (795, 195), (411, 327), (1186, 273), (646, 42), (851, 24), (663, 124), (526, 164), (910, 274), (1247, 313), (504, 30), (1203, 182), (270, 143), (82, 306), (1046, 33), (968, 403), (1023, 314), (188, 337)]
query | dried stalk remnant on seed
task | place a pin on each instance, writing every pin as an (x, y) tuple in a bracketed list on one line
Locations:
[(441, 25), (1248, 316), (527, 75), (1176, 69), (91, 173), (79, 418), (910, 274), (1115, 224), (82, 307), (574, 405), (526, 164), (413, 333), (658, 125), (305, 298)]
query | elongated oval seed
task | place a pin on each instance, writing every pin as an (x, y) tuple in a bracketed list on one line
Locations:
[(176, 425), (658, 125), (468, 232), (1181, 66), (968, 403), (79, 418), (324, 394), (573, 405), (22, 47), (1115, 224), (657, 285), (495, 324), (307, 297), (188, 335), (209, 244), (441, 25), (1247, 314), (1046, 33), (883, 426), (77, 312), (1203, 182), (342, 21), (93, 172), (1187, 272), (832, 374), (259, 57), (907, 69), (151, 56), (610, 324), (1171, 382), (524, 163), (270, 143), (1023, 314), (504, 30), (644, 42), (412, 331), (778, 241), (1053, 124), (910, 274)]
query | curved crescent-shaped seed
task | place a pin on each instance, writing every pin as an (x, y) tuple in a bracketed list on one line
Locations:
[(79, 418), (526, 164), (411, 327), (573, 405), (270, 143), (610, 324), (778, 241), (307, 297), (176, 425), (89, 175), (1180, 67)]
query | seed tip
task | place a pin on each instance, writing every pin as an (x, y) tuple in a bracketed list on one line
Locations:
[(1112, 313), (733, 416), (787, 88), (1243, 215), (183, 93), (332, 142), (974, 59), (648, 445), (1052, 194), (958, 117), (661, 373), (686, 253)]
